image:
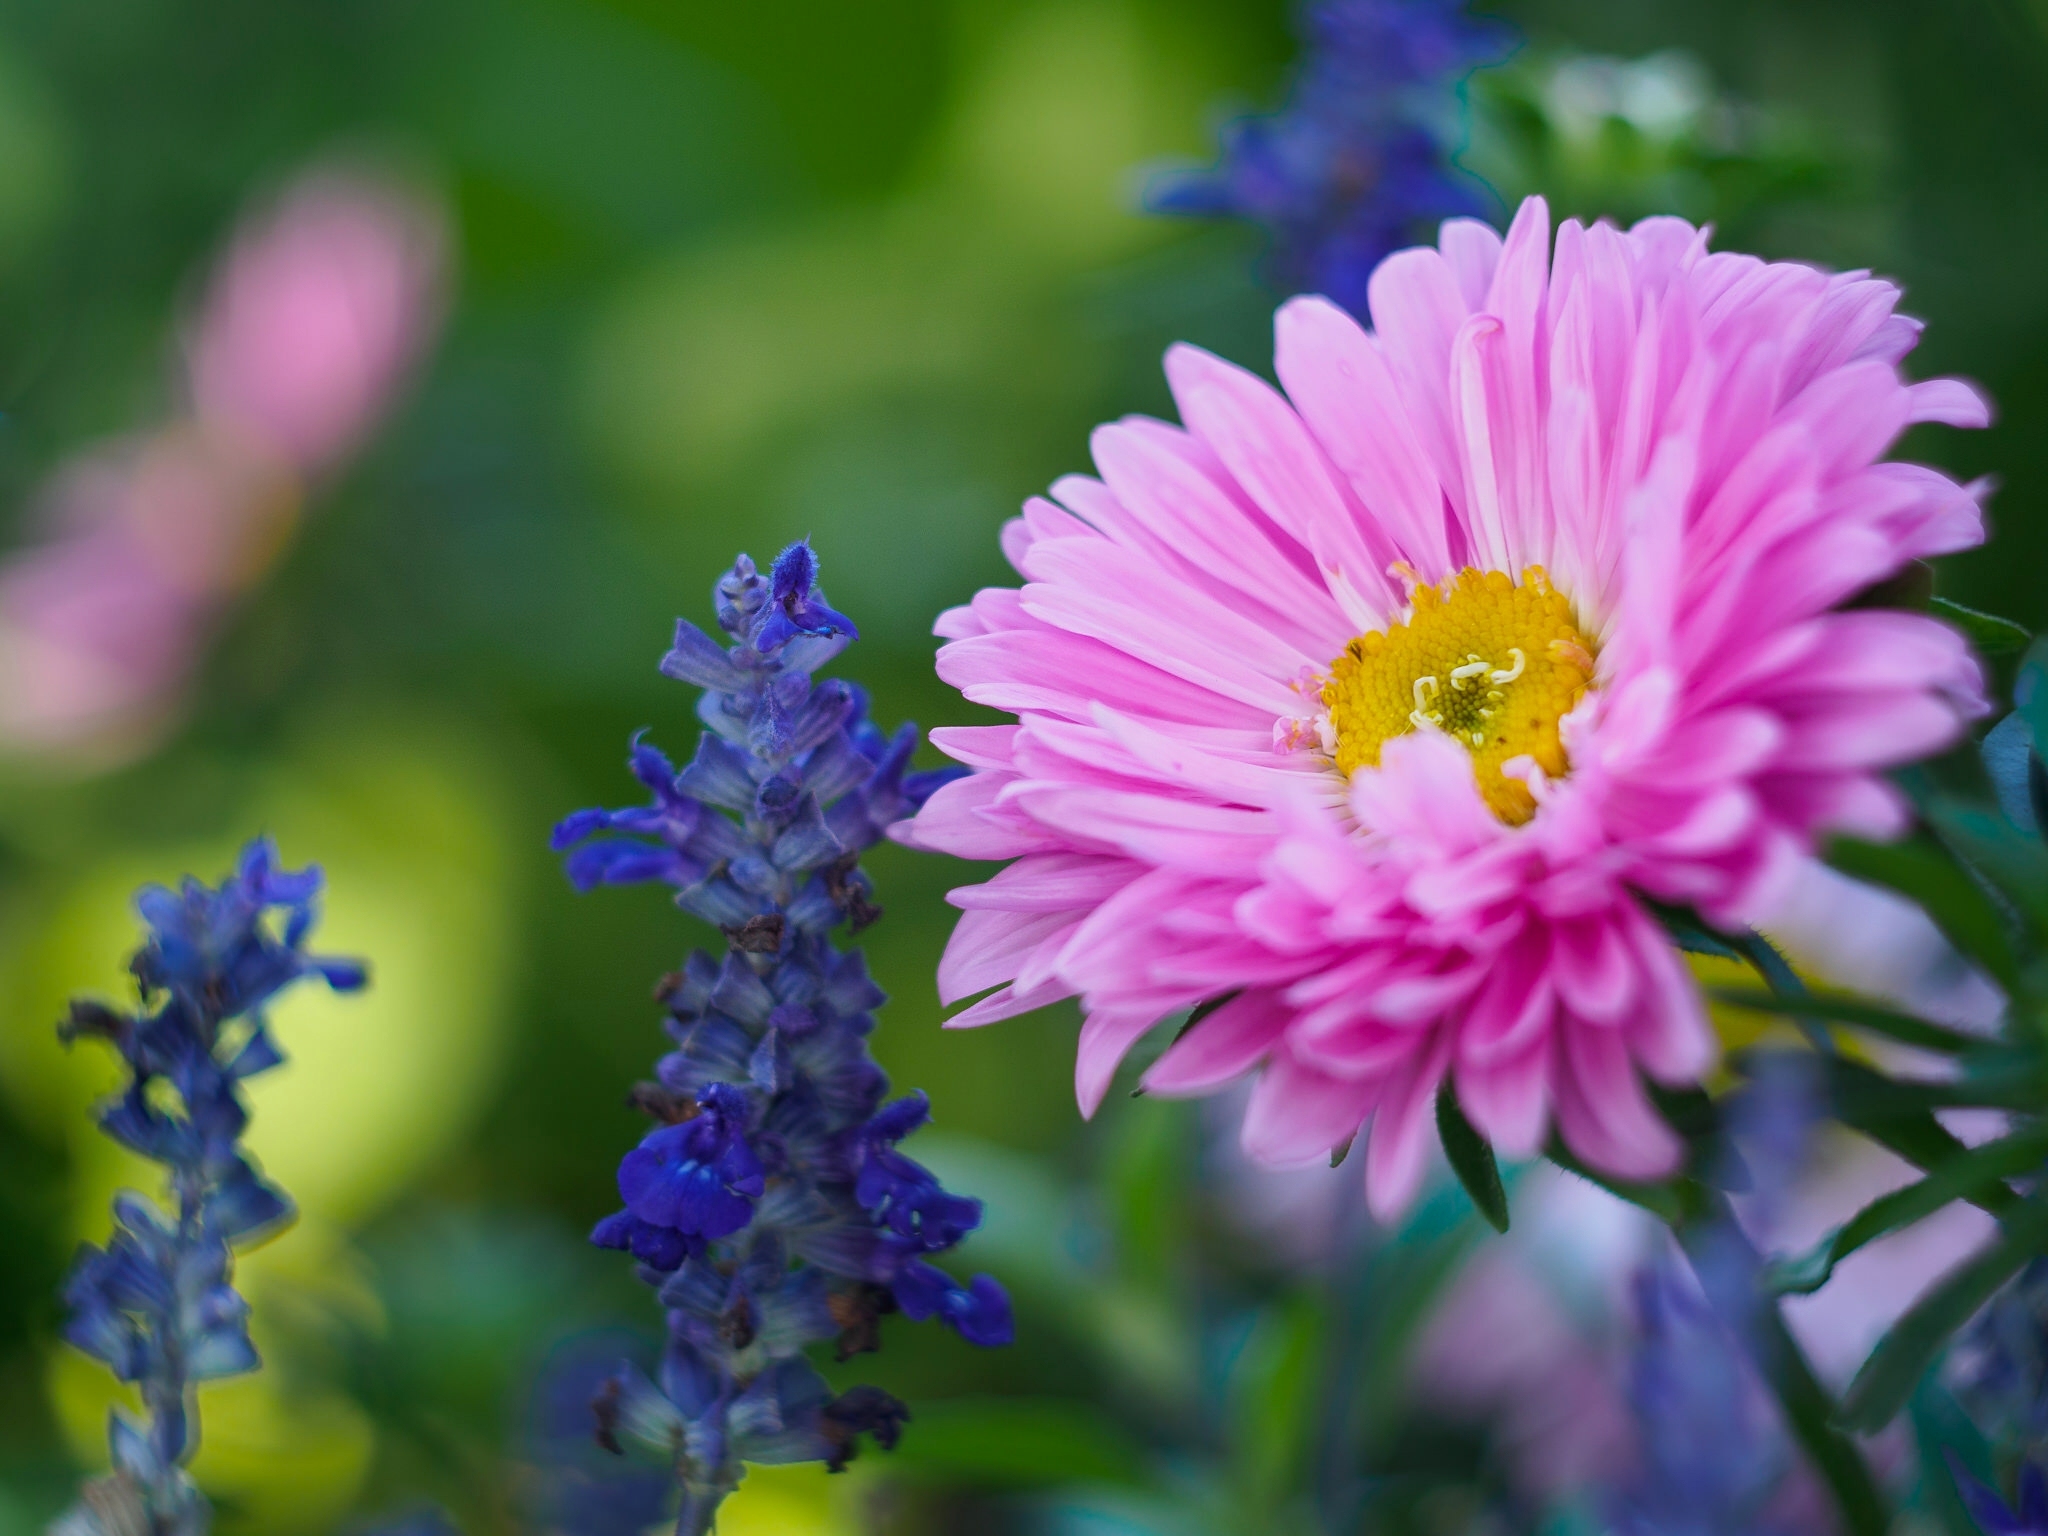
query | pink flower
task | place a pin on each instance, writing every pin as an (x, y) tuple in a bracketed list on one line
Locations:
[(314, 315), (312, 318), (1382, 705)]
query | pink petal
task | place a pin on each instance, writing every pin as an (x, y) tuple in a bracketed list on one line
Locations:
[(961, 819), (1007, 1003), (1345, 391), (1401, 1132), (1246, 423), (1603, 1112), (1225, 1045), (989, 947), (1952, 402), (1508, 1101), (1297, 1114), (1106, 1038)]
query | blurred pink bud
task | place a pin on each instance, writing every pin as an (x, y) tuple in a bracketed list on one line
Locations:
[(314, 314), (100, 625)]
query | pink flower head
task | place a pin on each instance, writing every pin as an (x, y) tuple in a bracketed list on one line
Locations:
[(1562, 544), (314, 315)]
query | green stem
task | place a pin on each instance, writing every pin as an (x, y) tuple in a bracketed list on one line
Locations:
[(1779, 976)]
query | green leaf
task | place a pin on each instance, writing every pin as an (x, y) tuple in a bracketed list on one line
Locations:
[(2014, 769), (1273, 1393), (1991, 634), (1689, 933), (1779, 976), (1471, 1158), (1017, 1442), (1928, 874), (2030, 691), (1968, 1176), (1904, 1354), (1900, 1118), (1998, 1076), (1875, 1017), (2016, 864)]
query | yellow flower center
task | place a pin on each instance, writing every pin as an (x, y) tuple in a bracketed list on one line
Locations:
[(1493, 663)]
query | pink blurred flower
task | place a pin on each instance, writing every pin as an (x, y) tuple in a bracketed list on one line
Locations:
[(1531, 1334), (320, 304), (1273, 743), (314, 314)]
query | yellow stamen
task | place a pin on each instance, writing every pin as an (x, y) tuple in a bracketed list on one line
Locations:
[(1493, 663)]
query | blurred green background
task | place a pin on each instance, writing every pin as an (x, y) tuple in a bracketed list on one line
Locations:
[(724, 276)]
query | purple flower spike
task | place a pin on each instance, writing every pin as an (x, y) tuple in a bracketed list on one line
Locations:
[(1355, 165), (770, 1207), (157, 1305)]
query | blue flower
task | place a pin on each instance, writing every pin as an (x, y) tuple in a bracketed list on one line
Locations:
[(770, 1207), (1991, 1513), (1999, 1365), (698, 1178), (1712, 1449), (1357, 164), (158, 1305)]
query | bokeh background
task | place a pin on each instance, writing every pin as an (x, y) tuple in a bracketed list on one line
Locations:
[(661, 280)]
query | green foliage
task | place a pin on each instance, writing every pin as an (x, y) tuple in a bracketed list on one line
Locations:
[(1921, 869), (1618, 138), (1905, 1353), (1983, 880), (1977, 1174), (1021, 1443), (1988, 632), (1471, 1158)]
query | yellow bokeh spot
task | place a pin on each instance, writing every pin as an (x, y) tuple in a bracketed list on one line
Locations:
[(1735, 1027), (789, 1501), (1493, 663), (1739, 1028)]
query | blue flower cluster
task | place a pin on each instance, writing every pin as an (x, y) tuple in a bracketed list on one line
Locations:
[(157, 1304), (1358, 163), (770, 1205)]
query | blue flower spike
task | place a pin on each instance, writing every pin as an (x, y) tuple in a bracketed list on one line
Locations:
[(1712, 1450), (1358, 162), (770, 1207), (157, 1305)]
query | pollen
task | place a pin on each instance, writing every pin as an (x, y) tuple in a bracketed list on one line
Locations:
[(1493, 663)]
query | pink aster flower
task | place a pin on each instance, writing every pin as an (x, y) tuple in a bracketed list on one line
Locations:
[(1382, 705)]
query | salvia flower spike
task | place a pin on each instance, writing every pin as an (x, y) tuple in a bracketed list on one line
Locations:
[(770, 1207), (158, 1303), (1359, 161)]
